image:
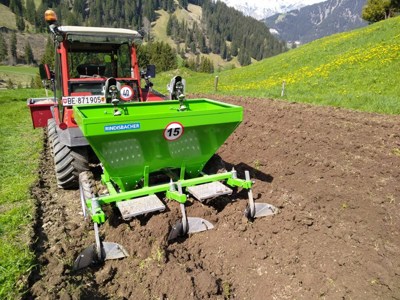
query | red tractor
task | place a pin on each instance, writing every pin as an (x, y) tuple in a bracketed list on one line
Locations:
[(92, 65)]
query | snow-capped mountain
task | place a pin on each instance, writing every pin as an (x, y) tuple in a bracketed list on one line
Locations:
[(263, 9), (318, 20)]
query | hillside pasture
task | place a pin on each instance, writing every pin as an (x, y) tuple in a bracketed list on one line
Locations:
[(18, 75), (357, 70)]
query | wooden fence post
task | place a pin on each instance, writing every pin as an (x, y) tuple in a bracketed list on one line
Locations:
[(216, 84), (283, 88)]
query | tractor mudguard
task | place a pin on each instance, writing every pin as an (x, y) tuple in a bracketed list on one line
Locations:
[(72, 137)]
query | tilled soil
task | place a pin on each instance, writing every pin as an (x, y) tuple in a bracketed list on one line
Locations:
[(334, 175)]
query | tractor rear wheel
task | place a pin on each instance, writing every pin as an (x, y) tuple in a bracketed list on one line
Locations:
[(87, 189), (51, 133), (87, 185), (69, 162)]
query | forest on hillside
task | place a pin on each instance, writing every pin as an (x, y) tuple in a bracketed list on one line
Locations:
[(222, 30)]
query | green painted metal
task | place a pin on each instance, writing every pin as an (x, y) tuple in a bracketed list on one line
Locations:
[(236, 182), (141, 140), (229, 177), (174, 195), (115, 197), (98, 215), (135, 144)]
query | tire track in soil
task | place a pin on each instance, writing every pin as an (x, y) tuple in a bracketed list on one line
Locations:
[(334, 175), (57, 234)]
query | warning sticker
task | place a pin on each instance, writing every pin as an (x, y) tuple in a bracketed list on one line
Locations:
[(173, 131), (126, 93)]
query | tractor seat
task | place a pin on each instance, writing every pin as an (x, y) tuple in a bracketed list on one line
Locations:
[(91, 70)]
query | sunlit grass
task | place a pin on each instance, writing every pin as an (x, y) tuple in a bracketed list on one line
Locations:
[(7, 18), (19, 75), (356, 70), (20, 149)]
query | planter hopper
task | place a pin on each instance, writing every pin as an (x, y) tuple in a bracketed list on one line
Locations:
[(139, 143)]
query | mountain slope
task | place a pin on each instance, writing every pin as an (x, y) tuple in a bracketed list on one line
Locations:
[(357, 69), (7, 18), (315, 21), (263, 9), (207, 28)]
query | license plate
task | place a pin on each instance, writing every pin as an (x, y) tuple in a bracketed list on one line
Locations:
[(75, 100)]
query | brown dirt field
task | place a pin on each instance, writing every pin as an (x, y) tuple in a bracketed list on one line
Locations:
[(334, 175)]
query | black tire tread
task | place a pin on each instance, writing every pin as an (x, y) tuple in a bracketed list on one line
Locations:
[(88, 184), (69, 163), (51, 133)]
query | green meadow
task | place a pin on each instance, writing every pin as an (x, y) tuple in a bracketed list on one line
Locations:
[(356, 70), (20, 149), (19, 75)]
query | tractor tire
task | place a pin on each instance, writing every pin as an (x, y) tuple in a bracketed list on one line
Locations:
[(87, 190), (51, 133), (69, 162)]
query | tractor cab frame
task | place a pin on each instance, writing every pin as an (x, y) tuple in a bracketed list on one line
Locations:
[(92, 65)]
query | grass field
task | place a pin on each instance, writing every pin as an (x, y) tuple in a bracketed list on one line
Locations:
[(158, 29), (20, 148), (356, 70), (7, 18), (19, 75)]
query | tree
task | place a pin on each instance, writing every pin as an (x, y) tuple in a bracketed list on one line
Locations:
[(149, 10), (378, 10), (72, 19), (170, 5), (40, 22), (3, 48), (163, 56), (228, 55), (200, 64), (202, 44), (224, 50), (244, 57), (192, 47), (159, 54), (206, 65), (234, 48), (16, 7), (20, 23), (225, 24), (169, 26), (13, 48), (28, 53), (147, 29), (96, 17), (30, 11), (79, 8), (196, 2), (183, 3), (394, 8), (222, 30), (48, 56)]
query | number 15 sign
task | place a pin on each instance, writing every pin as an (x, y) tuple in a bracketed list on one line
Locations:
[(173, 131)]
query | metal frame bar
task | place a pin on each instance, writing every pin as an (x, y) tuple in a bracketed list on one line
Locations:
[(114, 197)]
